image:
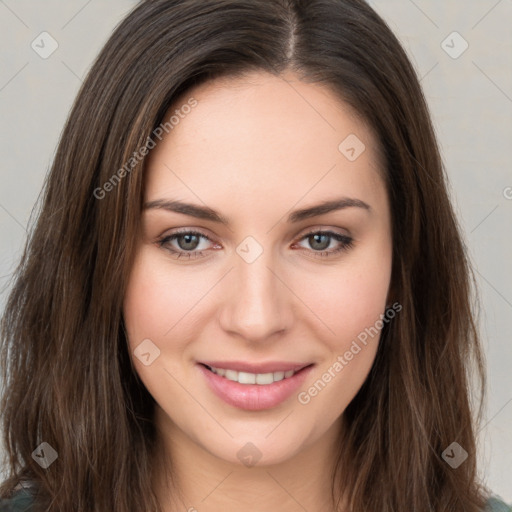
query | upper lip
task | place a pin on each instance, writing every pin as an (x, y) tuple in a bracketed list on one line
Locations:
[(268, 367)]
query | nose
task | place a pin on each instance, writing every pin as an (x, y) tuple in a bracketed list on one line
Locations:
[(257, 303)]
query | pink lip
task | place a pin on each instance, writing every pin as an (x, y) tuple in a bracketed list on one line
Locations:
[(243, 366), (253, 397)]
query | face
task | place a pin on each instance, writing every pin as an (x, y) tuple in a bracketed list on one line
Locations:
[(247, 307)]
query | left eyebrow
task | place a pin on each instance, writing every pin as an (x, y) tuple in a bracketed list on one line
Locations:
[(326, 207), (206, 213)]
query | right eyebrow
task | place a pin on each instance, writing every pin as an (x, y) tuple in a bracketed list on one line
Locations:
[(192, 210)]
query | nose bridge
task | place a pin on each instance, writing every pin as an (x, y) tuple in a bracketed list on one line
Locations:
[(256, 305)]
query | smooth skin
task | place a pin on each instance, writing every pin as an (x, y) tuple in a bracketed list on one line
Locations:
[(255, 149)]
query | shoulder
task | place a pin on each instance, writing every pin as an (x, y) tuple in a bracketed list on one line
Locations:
[(21, 500), (496, 504)]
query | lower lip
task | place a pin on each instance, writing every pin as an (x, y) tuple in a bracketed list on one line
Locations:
[(254, 397)]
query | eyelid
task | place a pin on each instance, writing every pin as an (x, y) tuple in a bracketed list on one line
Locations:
[(185, 231), (325, 229), (188, 231)]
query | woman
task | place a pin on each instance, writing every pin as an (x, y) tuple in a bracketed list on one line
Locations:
[(246, 287)]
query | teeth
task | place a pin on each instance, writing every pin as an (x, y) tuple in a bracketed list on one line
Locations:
[(282, 375), (265, 378), (231, 374), (252, 378)]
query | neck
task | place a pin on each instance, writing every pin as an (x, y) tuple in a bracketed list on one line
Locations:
[(193, 479)]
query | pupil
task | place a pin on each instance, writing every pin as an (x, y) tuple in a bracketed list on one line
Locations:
[(316, 239), (190, 239)]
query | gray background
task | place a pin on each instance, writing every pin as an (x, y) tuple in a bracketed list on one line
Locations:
[(471, 103)]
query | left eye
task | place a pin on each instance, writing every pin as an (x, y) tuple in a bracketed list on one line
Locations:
[(320, 242)]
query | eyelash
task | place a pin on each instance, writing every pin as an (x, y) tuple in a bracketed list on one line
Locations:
[(346, 243)]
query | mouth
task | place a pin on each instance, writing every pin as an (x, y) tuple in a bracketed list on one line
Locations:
[(254, 390), (261, 379)]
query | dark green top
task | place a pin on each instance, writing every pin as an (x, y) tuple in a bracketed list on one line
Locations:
[(22, 502)]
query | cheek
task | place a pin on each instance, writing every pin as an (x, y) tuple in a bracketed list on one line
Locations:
[(348, 299), (157, 300), (353, 309), (155, 303), (351, 302)]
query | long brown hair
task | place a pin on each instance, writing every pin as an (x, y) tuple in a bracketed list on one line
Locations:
[(67, 375)]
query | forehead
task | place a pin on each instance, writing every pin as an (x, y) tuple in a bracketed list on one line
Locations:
[(261, 134)]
